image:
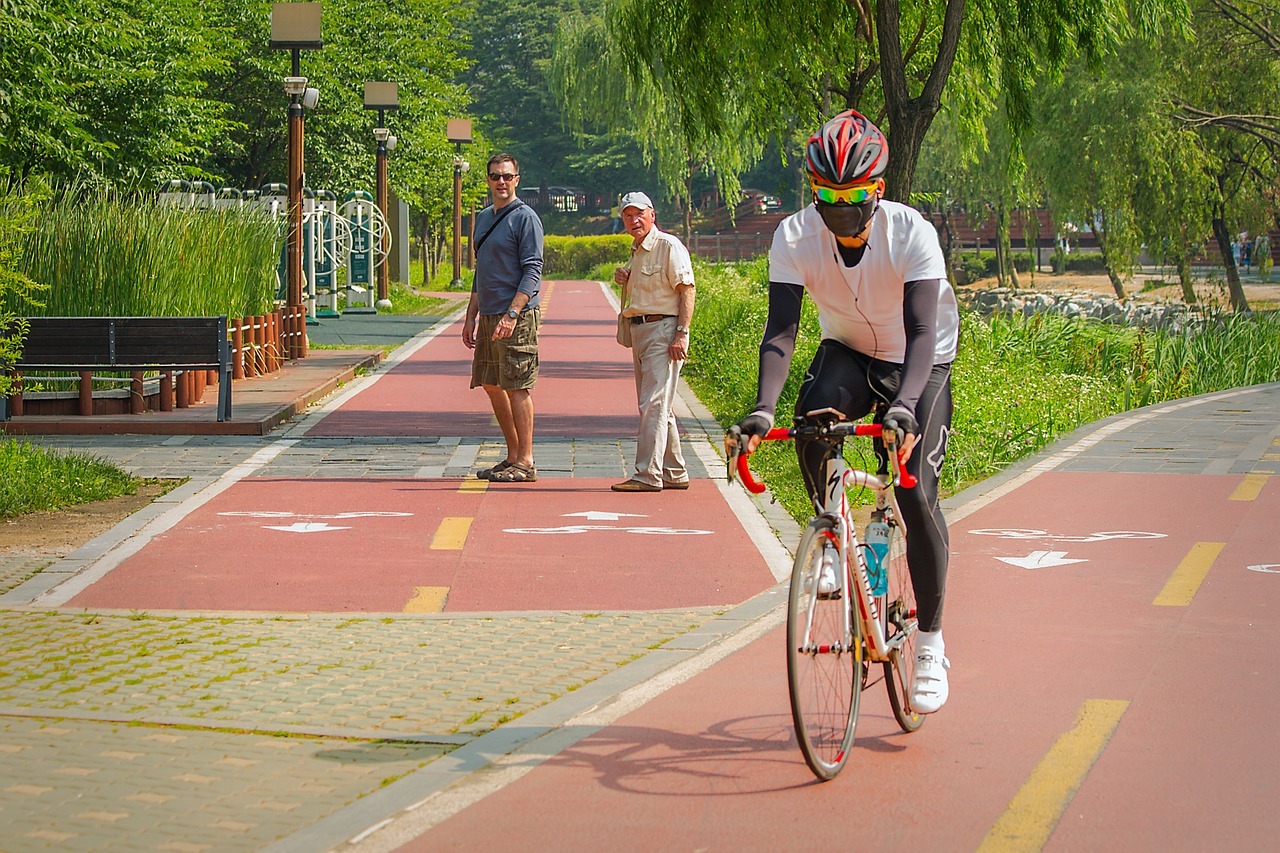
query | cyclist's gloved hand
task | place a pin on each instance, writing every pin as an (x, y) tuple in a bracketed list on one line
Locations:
[(901, 421), (750, 431)]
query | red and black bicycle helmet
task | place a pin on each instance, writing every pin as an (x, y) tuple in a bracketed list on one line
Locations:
[(847, 150)]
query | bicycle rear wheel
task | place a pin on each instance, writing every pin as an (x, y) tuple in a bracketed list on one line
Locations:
[(898, 618), (824, 657)]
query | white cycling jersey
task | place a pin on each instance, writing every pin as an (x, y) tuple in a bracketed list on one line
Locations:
[(861, 306)]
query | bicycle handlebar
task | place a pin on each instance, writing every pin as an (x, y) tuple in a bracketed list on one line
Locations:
[(907, 481)]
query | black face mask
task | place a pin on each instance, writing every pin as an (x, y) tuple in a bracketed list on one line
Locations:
[(847, 220)]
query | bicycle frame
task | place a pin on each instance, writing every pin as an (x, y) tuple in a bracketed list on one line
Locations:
[(839, 478)]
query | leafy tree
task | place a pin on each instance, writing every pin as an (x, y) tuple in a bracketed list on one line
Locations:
[(1225, 86), (748, 70), (589, 75), (1114, 162), (104, 90), (15, 288)]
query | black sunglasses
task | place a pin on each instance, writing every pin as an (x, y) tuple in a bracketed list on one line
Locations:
[(503, 176)]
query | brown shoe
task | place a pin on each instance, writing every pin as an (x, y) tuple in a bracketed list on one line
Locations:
[(635, 486), (515, 473), (677, 485), (487, 473)]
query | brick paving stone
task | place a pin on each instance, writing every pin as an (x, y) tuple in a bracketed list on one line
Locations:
[(235, 776), (16, 569)]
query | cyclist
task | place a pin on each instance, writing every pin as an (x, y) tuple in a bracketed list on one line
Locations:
[(890, 325)]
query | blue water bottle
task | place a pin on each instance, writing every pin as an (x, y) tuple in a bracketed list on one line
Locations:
[(877, 540)]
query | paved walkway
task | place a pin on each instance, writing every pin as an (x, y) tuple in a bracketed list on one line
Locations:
[(305, 716)]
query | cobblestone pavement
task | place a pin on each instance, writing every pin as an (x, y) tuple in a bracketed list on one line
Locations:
[(156, 732)]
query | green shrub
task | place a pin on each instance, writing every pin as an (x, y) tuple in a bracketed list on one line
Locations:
[(969, 267), (575, 257), (1085, 264)]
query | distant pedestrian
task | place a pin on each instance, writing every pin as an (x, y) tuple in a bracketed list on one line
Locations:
[(1247, 251), (503, 316), (659, 284), (1236, 256)]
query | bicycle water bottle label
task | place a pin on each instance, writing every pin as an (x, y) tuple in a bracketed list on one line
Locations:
[(876, 574)]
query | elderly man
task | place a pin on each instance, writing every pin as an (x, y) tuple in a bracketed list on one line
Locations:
[(659, 284)]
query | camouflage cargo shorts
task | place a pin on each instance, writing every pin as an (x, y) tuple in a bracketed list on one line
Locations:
[(509, 363)]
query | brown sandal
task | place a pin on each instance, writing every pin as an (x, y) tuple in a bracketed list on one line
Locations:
[(515, 473), (487, 473)]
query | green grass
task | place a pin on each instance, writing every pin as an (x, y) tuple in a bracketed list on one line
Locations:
[(1018, 383), (33, 479)]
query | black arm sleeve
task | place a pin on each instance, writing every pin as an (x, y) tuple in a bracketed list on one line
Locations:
[(920, 317), (779, 343)]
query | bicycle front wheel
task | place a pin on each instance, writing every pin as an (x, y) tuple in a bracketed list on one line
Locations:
[(824, 656), (898, 615)]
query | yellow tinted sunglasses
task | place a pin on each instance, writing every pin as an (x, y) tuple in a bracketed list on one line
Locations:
[(847, 195)]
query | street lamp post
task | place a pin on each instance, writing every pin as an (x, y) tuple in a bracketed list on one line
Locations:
[(383, 97), (296, 27), (459, 131)]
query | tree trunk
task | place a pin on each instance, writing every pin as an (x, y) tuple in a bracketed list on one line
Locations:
[(1183, 260), (909, 118), (1116, 283), (949, 241), (1234, 288), (1031, 239)]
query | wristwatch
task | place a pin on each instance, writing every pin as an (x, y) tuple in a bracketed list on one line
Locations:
[(512, 313), (682, 330)]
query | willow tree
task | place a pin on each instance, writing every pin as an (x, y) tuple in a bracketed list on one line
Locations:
[(745, 70), (1228, 88), (593, 79)]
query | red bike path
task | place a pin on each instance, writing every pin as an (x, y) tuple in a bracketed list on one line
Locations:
[(559, 543), (1108, 691), (712, 764)]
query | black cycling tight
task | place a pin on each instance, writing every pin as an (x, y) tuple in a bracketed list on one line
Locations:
[(853, 384)]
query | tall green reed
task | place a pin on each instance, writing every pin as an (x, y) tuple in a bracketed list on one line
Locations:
[(103, 254)]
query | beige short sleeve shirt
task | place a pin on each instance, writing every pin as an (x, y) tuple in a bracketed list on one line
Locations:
[(659, 265)]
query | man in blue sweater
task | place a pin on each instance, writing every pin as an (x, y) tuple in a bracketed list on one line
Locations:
[(503, 317)]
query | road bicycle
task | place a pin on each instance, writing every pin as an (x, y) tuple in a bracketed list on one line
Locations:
[(862, 613)]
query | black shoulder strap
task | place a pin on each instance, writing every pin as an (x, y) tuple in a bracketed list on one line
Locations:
[(514, 204)]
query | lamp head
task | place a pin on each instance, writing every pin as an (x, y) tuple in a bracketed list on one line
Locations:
[(295, 85), (381, 134)]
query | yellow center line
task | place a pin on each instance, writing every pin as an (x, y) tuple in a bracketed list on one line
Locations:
[(1035, 810), (451, 535), (1190, 573), (1250, 487), (427, 599)]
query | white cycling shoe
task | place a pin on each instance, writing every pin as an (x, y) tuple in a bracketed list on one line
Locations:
[(929, 682)]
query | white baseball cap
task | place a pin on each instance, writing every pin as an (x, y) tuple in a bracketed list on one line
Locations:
[(637, 200)]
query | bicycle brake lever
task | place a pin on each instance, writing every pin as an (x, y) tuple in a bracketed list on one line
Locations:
[(734, 450)]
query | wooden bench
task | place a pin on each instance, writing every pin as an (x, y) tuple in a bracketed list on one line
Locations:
[(129, 344)]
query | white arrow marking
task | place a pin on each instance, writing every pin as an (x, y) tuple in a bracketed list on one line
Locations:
[(1040, 560), (592, 515), (1266, 568), (587, 528), (1101, 536), (307, 527)]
